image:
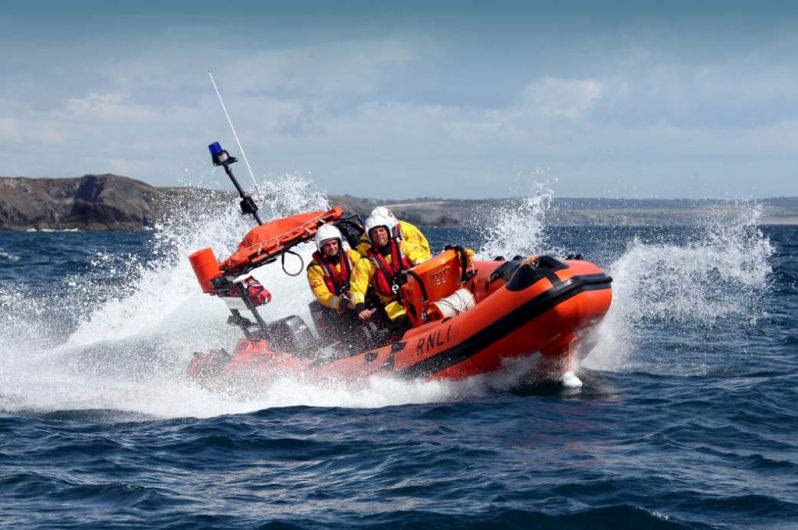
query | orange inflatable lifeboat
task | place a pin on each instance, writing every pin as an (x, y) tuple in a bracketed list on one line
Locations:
[(467, 318)]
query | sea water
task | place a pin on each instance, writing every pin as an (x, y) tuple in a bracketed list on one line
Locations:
[(687, 418)]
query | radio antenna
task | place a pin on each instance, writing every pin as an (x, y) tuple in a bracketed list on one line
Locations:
[(240, 147)]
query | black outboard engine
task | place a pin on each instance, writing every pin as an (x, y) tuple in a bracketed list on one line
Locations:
[(325, 322), (291, 334)]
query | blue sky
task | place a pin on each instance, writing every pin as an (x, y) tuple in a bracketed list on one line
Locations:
[(448, 99)]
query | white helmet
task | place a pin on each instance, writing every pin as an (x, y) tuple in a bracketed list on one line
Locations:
[(375, 220), (393, 228), (383, 210), (328, 231)]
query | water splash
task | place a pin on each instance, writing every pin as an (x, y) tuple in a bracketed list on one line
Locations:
[(518, 228), (717, 277), (292, 194), (129, 350), (133, 338)]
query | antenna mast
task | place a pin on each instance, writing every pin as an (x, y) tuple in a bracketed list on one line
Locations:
[(240, 147)]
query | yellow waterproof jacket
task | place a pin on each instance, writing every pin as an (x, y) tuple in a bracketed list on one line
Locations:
[(319, 281), (363, 277), (410, 234)]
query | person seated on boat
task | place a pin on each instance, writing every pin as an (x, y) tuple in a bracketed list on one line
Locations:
[(329, 274), (385, 258), (331, 268), (399, 230)]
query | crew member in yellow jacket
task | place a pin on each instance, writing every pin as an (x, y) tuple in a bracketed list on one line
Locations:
[(384, 258), (399, 229), (330, 271)]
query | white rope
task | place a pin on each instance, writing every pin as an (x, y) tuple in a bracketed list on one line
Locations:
[(240, 147), (458, 302)]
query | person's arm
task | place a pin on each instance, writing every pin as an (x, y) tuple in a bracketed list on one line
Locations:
[(354, 258), (359, 284)]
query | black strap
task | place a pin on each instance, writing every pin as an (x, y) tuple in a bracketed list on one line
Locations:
[(463, 261), (421, 285)]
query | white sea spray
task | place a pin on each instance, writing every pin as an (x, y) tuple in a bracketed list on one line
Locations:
[(132, 340), (720, 274)]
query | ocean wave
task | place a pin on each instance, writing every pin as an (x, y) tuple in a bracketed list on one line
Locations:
[(8, 256)]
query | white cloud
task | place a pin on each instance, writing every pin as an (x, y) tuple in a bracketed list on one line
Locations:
[(374, 116), (127, 167), (18, 130), (567, 98), (333, 69), (110, 108), (342, 68)]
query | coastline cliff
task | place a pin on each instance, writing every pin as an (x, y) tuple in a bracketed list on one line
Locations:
[(112, 202), (91, 202)]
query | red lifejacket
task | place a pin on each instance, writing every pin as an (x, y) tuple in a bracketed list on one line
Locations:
[(337, 281), (385, 272)]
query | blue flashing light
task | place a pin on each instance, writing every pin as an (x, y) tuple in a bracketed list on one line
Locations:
[(216, 149)]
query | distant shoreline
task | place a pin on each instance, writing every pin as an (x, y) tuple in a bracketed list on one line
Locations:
[(115, 203)]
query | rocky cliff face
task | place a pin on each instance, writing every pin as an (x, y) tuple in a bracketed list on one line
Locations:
[(91, 202)]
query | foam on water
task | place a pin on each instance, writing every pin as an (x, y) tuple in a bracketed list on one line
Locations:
[(6, 256)]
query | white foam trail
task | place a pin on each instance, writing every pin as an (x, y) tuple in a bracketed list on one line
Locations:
[(166, 397)]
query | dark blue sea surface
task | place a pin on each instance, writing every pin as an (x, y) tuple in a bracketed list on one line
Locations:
[(688, 417)]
